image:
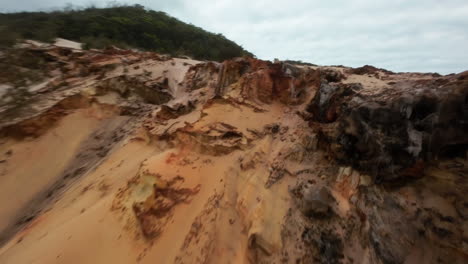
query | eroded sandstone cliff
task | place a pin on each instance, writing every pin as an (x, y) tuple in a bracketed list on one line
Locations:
[(117, 156)]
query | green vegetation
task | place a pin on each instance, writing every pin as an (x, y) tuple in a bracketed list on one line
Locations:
[(299, 62), (122, 26)]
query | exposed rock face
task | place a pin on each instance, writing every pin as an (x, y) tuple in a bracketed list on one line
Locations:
[(230, 72), (150, 158), (331, 75), (171, 112), (215, 139), (273, 82), (36, 125), (327, 103), (201, 75), (146, 91), (369, 69), (392, 134), (316, 202), (265, 82)]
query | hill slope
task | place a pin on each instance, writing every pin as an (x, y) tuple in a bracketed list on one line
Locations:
[(119, 156), (123, 26)]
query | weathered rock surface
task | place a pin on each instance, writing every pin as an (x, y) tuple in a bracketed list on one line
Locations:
[(392, 134), (202, 75), (264, 82), (316, 202), (121, 156)]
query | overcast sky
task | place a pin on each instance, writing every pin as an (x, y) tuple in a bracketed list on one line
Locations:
[(399, 35)]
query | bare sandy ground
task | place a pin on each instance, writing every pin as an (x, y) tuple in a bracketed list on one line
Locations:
[(82, 220), (47, 158), (90, 172)]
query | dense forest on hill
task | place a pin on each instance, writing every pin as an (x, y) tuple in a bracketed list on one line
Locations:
[(122, 26)]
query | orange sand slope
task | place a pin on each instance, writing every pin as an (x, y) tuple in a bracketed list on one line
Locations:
[(132, 157)]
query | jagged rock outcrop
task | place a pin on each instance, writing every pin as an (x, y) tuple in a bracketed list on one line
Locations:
[(369, 69), (230, 72), (327, 102), (152, 92), (392, 134), (201, 75), (331, 75), (171, 112), (151, 158), (316, 202), (264, 82)]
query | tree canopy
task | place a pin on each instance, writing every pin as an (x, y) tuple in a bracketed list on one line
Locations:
[(122, 26)]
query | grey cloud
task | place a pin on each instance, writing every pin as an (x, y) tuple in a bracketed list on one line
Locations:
[(418, 35)]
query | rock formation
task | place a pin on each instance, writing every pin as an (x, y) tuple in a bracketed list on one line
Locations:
[(119, 156), (392, 134)]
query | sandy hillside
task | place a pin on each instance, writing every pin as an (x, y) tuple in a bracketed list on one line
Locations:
[(118, 156)]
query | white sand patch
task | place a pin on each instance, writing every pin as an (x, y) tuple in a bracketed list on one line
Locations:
[(64, 43)]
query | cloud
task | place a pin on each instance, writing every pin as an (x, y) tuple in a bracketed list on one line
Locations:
[(400, 35)]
